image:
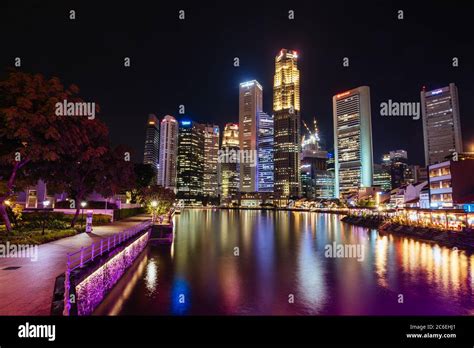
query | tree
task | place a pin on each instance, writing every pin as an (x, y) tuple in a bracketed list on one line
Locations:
[(118, 172), (144, 175), (163, 197), (30, 132), (84, 170)]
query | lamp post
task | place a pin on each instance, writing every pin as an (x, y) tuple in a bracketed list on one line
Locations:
[(377, 199), (45, 205), (83, 205), (154, 204)]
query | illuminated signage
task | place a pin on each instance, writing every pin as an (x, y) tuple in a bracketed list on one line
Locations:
[(247, 84), (342, 94), (438, 91), (469, 208), (185, 123)]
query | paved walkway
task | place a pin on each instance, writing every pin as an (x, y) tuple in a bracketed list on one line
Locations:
[(28, 290)]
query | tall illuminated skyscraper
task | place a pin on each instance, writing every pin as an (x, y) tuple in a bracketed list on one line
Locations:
[(211, 168), (286, 110), (316, 180), (168, 152), (229, 166), (190, 166), (441, 123), (265, 152), (250, 105), (152, 143), (352, 141)]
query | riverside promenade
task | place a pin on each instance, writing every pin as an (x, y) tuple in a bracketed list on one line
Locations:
[(26, 286)]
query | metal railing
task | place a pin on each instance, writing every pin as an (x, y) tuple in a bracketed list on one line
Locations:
[(81, 257)]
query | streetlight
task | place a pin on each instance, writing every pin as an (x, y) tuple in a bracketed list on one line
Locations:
[(83, 205), (377, 198), (154, 204), (45, 206)]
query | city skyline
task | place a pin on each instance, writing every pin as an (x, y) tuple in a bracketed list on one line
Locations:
[(162, 161), (146, 88)]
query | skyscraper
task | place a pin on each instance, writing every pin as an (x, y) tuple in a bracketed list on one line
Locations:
[(382, 177), (265, 153), (441, 123), (316, 180), (286, 110), (211, 151), (190, 161), (228, 160), (152, 143), (398, 168), (168, 152), (250, 105), (352, 141)]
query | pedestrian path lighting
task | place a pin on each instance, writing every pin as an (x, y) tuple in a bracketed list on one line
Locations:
[(154, 204), (45, 206), (377, 199), (83, 205)]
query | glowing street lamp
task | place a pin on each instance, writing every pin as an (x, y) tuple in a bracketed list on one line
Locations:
[(83, 205), (377, 198), (45, 205), (154, 204)]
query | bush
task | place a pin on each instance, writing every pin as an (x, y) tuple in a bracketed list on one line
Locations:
[(120, 214), (36, 236), (90, 205), (58, 219), (97, 219)]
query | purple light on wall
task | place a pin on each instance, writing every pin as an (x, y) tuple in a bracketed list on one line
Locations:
[(93, 289)]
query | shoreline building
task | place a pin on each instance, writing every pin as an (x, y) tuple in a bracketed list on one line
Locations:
[(450, 185), (190, 168), (265, 153), (286, 112), (250, 106), (211, 168), (152, 144), (352, 141), (168, 152), (441, 123)]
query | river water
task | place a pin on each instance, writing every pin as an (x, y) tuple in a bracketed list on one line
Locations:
[(230, 262)]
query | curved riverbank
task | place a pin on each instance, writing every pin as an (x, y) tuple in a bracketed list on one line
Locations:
[(368, 221), (312, 210), (453, 239), (459, 239)]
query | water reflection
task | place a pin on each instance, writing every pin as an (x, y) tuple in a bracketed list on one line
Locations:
[(251, 263), (151, 277)]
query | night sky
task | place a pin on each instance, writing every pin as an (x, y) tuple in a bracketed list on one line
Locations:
[(190, 62)]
